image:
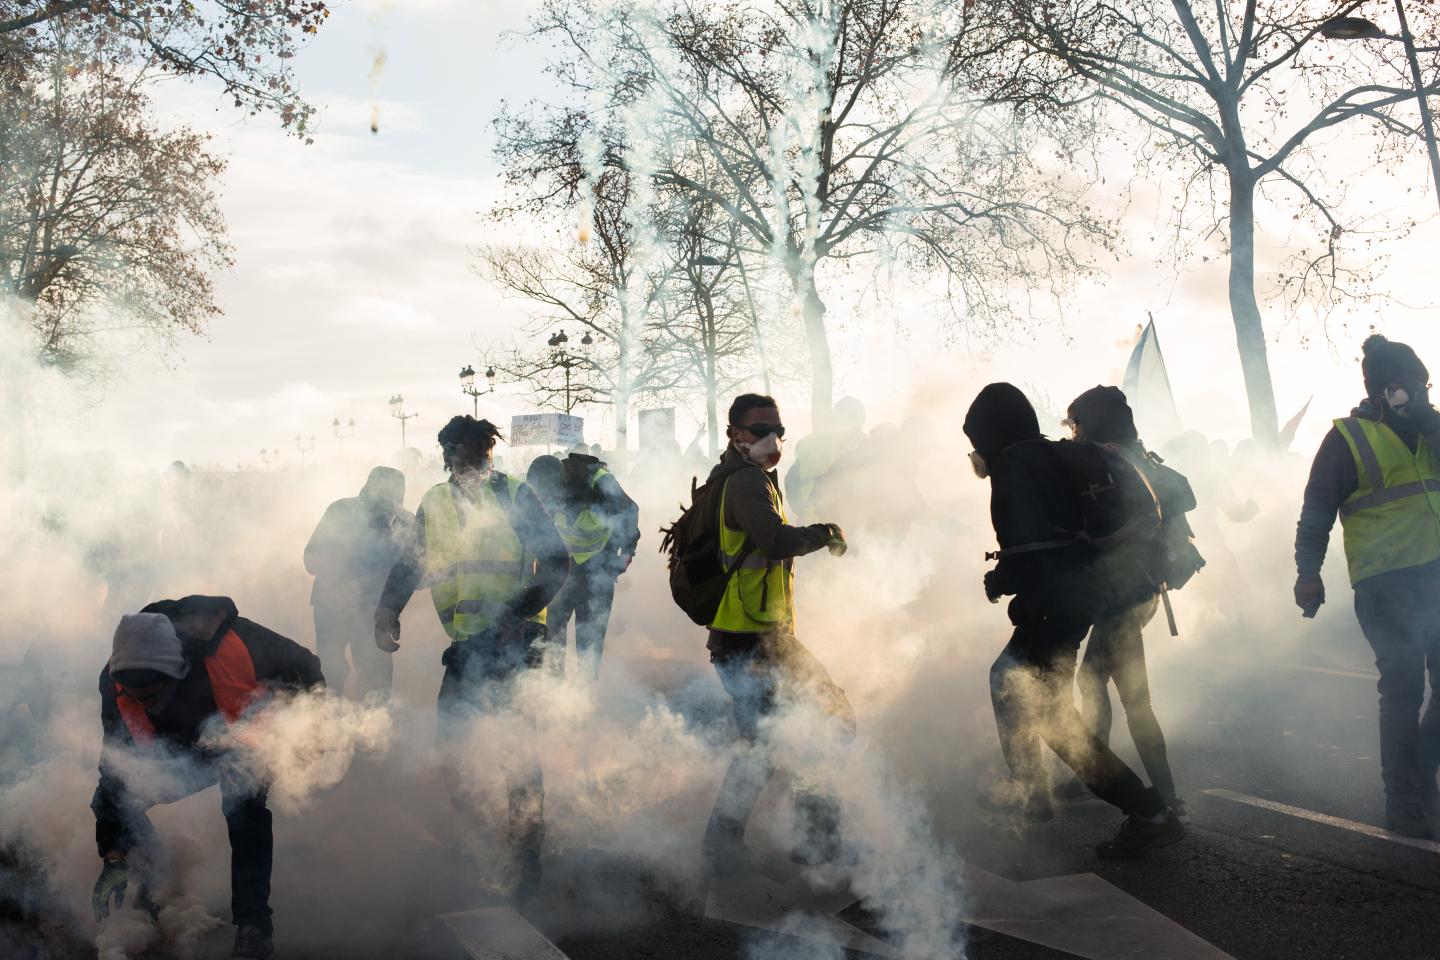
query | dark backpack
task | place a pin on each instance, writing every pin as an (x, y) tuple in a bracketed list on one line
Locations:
[(698, 576), (1174, 557)]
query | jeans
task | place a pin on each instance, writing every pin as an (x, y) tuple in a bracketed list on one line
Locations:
[(1030, 688), (765, 674), (338, 628), (588, 595), (479, 678), (1399, 614), (1117, 651), (248, 821)]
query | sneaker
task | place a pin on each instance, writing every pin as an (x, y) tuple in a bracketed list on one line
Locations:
[(1177, 806), (251, 944), (1407, 818), (1072, 789), (1138, 836)]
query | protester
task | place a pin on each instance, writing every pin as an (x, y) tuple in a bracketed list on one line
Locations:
[(824, 456), (493, 561), (350, 554), (1116, 648), (172, 668), (600, 526), (753, 645), (1378, 470), (1033, 502)]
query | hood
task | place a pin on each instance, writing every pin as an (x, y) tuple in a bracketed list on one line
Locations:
[(199, 621), (1104, 414), (1000, 416), (384, 485)]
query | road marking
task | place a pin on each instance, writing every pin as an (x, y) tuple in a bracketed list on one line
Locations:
[(793, 909), (499, 933), (1332, 672), (1080, 914), (1340, 822)]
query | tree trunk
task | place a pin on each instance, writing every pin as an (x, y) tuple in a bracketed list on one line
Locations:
[(622, 384), (818, 341), (1245, 310)]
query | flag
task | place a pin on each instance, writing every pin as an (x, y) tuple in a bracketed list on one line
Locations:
[(1147, 387), (1287, 432)]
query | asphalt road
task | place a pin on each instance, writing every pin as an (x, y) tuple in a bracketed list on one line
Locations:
[(1248, 882)]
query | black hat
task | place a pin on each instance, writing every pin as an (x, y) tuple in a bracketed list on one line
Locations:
[(1385, 362), (1104, 414), (1000, 416)]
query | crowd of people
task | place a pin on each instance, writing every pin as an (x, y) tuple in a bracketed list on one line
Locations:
[(1092, 533)]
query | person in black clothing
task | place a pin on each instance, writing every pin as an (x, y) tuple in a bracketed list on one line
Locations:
[(1393, 549), (1052, 609), (1116, 648), (600, 525), (490, 606), (173, 667), (351, 553)]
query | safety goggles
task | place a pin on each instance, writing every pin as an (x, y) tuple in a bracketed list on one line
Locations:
[(763, 430)]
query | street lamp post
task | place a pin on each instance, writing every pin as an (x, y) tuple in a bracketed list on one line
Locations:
[(304, 446), (269, 457), (567, 361), (397, 410), (342, 434), (467, 386), (1358, 28)]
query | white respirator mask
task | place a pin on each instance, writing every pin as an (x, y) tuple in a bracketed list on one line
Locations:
[(763, 453), (1397, 398), (978, 464)]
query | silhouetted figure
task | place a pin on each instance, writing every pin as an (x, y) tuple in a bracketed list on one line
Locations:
[(493, 561), (1116, 648), (1379, 471), (173, 668), (351, 553), (821, 457), (600, 525), (1035, 507)]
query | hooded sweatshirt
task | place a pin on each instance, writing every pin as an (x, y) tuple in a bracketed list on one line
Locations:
[(1030, 500), (357, 542)]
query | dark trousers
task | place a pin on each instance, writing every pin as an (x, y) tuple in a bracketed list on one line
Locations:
[(252, 844), (588, 596), (1116, 651), (1030, 687), (765, 674), (1399, 614), (479, 678), (339, 628)]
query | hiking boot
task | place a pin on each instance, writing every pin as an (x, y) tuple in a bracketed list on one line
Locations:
[(1407, 818), (1072, 789), (251, 944), (1010, 798), (1138, 836)]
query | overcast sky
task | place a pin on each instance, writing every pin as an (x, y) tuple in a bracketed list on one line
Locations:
[(354, 278)]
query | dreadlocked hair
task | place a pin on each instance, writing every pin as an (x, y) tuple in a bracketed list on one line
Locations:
[(462, 429)]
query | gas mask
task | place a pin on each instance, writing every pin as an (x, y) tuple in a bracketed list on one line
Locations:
[(978, 464), (763, 453), (1398, 399)]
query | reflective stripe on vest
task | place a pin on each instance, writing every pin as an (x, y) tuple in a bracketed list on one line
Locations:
[(758, 596), (232, 681), (1392, 520), (475, 563), (589, 534)]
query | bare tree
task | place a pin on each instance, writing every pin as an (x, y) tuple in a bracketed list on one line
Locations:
[(106, 221), (1219, 83), (837, 130), (247, 46)]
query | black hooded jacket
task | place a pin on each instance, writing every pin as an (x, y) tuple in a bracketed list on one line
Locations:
[(1030, 502)]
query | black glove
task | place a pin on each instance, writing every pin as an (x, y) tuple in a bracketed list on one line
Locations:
[(1309, 594), (993, 588), (387, 630), (836, 544), (114, 878)]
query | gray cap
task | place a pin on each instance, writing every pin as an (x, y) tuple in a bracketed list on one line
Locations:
[(147, 641)]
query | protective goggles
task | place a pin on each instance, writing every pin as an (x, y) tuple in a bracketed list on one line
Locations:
[(763, 430)]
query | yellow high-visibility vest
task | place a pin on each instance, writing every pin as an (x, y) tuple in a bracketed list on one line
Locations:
[(475, 564), (589, 534), (758, 597), (1392, 520)]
